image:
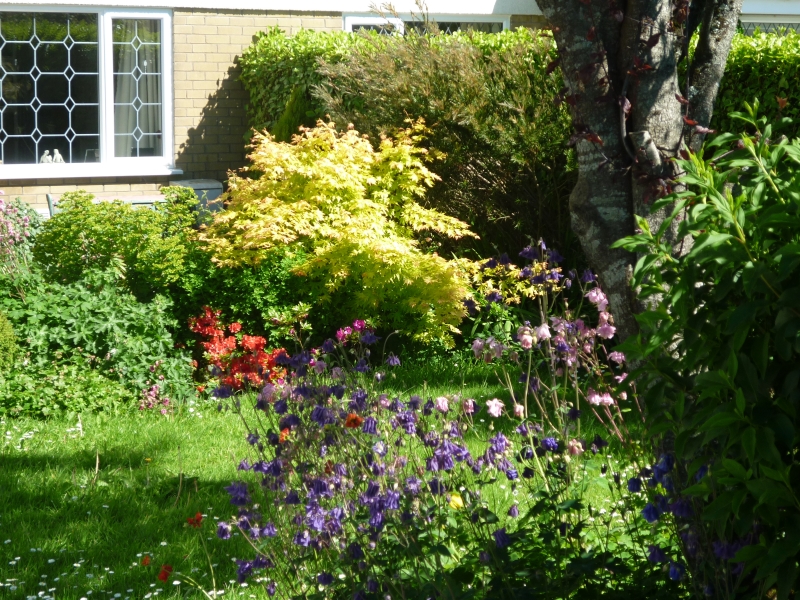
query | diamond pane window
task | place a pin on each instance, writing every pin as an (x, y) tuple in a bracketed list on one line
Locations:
[(137, 87), (48, 114)]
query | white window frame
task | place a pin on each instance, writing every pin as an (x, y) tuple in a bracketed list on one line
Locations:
[(109, 165), (353, 19)]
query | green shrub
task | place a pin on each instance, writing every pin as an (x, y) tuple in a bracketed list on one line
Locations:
[(8, 342), (299, 111), (149, 245), (275, 65), (57, 387), (103, 325), (764, 66), (721, 351)]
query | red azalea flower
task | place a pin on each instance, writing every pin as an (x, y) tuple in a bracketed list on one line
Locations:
[(235, 327), (163, 575)]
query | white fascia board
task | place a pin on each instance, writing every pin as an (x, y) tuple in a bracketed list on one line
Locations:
[(774, 8), (450, 7)]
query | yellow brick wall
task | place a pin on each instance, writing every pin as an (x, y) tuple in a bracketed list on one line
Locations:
[(210, 119)]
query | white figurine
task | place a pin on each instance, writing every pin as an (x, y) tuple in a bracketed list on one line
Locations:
[(57, 158), (46, 158)]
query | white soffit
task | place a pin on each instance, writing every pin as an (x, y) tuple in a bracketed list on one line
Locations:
[(450, 7), (774, 8)]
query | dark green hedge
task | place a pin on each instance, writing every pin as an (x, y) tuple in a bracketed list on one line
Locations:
[(765, 66)]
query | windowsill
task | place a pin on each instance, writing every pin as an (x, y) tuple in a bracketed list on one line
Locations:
[(85, 171)]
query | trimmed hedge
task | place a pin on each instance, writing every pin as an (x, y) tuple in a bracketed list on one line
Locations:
[(764, 66)]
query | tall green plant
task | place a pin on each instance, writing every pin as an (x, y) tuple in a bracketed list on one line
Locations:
[(720, 348)]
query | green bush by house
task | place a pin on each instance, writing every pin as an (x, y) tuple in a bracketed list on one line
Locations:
[(8, 342)]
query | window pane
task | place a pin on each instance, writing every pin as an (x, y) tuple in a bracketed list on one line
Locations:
[(47, 112), (137, 87)]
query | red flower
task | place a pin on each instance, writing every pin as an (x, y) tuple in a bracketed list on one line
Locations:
[(146, 561), (353, 421), (163, 575), (253, 343), (195, 521), (284, 435), (235, 327)]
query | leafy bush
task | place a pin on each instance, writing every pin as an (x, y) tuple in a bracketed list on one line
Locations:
[(62, 386), (8, 343), (490, 102), (19, 224), (299, 112), (274, 66), (104, 326), (764, 66), (151, 245), (720, 347), (353, 211)]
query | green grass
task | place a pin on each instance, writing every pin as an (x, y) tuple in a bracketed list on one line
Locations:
[(81, 505)]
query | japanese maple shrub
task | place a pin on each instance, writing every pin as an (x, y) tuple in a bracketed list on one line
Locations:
[(354, 210)]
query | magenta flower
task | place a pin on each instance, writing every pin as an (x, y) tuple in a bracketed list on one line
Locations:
[(442, 404), (469, 406)]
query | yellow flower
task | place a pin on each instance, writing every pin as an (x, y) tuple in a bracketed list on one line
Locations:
[(456, 501)]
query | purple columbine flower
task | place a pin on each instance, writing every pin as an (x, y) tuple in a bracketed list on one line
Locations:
[(373, 489), (391, 501), (271, 588), (681, 508), (501, 538), (529, 253), (436, 487), (676, 571), (328, 346), (224, 530), (245, 568), (238, 493), (369, 338), (498, 443), (650, 513), (362, 366), (269, 530), (414, 402), (495, 297), (370, 426), (292, 498), (393, 361), (655, 554), (372, 586), (324, 578), (588, 276), (413, 485), (634, 485), (513, 512), (244, 465), (302, 538), (355, 551), (550, 444), (281, 406)]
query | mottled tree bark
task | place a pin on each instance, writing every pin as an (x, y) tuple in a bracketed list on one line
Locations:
[(620, 66)]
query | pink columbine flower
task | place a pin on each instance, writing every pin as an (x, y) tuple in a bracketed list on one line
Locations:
[(525, 337), (596, 296), (543, 332), (617, 357), (442, 404), (606, 331), (337, 373), (519, 411), (495, 407), (468, 406), (575, 448), (477, 347), (620, 378), (359, 325), (495, 348)]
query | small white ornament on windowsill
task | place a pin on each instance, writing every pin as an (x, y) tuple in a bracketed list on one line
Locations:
[(57, 158), (46, 158)]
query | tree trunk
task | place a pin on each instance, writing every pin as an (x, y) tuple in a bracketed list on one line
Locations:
[(630, 116)]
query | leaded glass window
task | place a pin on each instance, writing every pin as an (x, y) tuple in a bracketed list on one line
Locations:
[(49, 87)]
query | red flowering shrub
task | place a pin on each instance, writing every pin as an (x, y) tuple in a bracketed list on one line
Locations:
[(241, 359)]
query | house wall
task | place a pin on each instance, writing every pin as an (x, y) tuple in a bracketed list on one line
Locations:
[(209, 101)]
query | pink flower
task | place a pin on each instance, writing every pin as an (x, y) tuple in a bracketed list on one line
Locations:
[(525, 337), (623, 395), (543, 332), (468, 406), (495, 348), (606, 331), (617, 357), (599, 399), (620, 378), (441, 404), (359, 325), (384, 401), (575, 448), (519, 411), (477, 347), (596, 296), (495, 407)]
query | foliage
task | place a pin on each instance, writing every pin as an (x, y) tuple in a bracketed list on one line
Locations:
[(719, 347), (152, 245), (275, 65), (103, 325), (299, 112), (62, 386), (19, 224), (763, 66), (8, 343), (353, 210), (489, 101)]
